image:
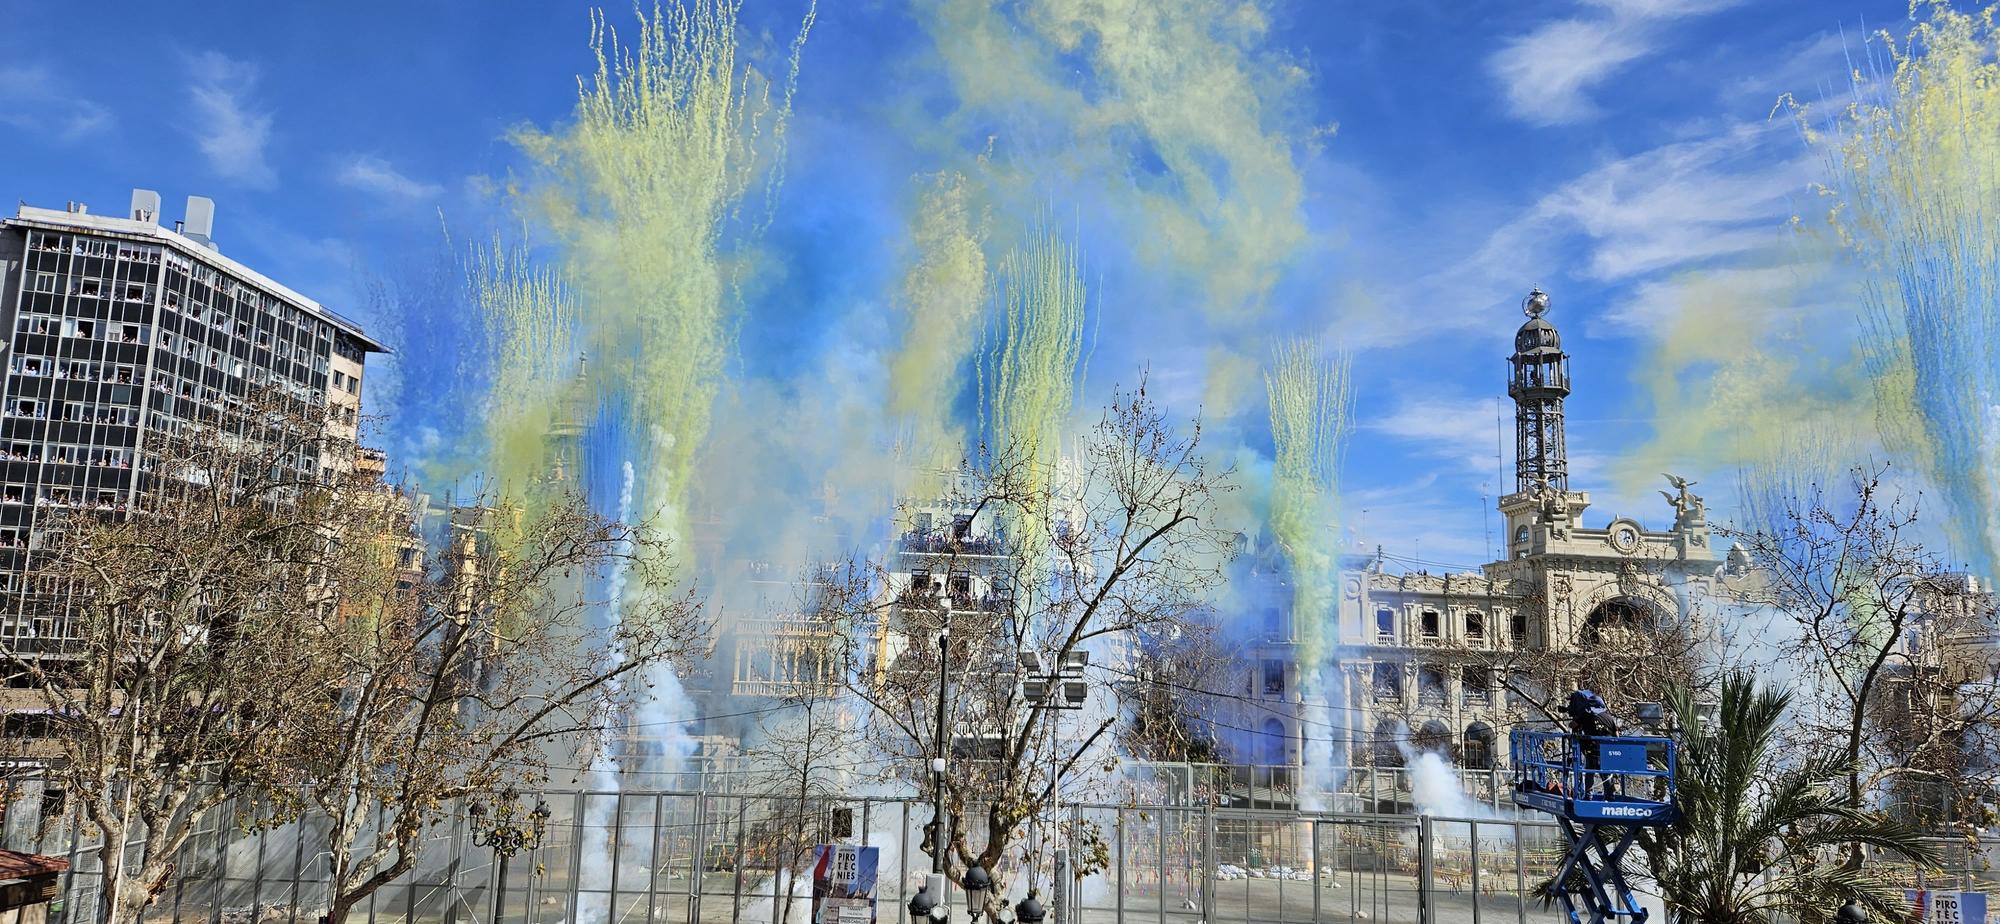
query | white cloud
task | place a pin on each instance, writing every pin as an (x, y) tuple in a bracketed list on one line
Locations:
[(231, 134), (1461, 430), (1680, 203), (1547, 74), (34, 100), (371, 174)]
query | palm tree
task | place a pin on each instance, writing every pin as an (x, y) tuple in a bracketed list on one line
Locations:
[(1762, 836)]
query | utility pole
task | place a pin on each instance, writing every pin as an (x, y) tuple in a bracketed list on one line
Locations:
[(937, 762)]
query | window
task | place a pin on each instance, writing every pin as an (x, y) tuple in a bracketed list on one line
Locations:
[(1475, 683), (1276, 627), (1387, 683), (1475, 625), (1429, 623), (1430, 685), (1385, 623), (88, 287), (45, 282), (1274, 677), (1517, 626), (129, 333)]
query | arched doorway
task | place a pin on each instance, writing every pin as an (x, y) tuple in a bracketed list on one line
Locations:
[(1434, 737), (1272, 744), (1476, 753), (1617, 618), (1383, 745)]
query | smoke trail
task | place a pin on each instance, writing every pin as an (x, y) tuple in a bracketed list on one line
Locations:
[(1029, 379), (645, 192), (1028, 372), (1915, 162), (1309, 400), (531, 329), (942, 294)]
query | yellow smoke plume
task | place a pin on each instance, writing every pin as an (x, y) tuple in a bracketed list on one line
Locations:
[(943, 291), (1190, 128), (1309, 397), (672, 136), (530, 321)]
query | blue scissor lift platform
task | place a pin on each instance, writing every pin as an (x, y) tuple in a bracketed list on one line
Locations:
[(1589, 784)]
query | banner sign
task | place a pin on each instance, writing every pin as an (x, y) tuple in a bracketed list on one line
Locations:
[(1933, 907), (844, 884)]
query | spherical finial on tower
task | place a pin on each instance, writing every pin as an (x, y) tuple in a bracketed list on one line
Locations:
[(1536, 304)]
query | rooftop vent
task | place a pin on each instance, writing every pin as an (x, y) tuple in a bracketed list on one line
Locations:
[(146, 206), (200, 225), (78, 208)]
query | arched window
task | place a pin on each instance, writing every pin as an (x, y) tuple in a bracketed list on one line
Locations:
[(1476, 753), (1274, 741), (1434, 737), (1388, 734), (1619, 617)]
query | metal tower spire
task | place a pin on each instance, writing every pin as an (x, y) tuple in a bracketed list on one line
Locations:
[(1538, 382)]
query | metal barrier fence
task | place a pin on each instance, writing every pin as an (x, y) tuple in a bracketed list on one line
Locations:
[(707, 858)]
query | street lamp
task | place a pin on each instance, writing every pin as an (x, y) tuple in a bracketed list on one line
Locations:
[(507, 838), (1029, 910), (926, 905), (1060, 690), (977, 883)]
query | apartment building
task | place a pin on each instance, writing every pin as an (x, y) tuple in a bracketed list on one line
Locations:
[(123, 328)]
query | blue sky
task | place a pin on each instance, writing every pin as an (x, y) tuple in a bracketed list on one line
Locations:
[(1607, 151)]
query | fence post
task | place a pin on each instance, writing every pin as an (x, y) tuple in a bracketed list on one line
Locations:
[(1207, 861), (1473, 827), (1426, 872), (1317, 871), (1118, 841), (1520, 873), (698, 864), (736, 890)]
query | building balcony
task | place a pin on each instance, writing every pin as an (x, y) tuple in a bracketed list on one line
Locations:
[(938, 542)]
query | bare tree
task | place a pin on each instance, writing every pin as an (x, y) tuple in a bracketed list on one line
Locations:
[(171, 669), (1090, 555), (460, 678), (1890, 647)]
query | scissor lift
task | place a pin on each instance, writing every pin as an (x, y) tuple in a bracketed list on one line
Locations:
[(1591, 784)]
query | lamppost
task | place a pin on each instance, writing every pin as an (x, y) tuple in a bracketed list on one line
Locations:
[(977, 883), (1060, 690), (925, 906), (507, 837)]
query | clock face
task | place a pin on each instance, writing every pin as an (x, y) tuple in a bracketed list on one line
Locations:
[(1624, 537)]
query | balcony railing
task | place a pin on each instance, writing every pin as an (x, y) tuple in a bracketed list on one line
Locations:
[(941, 542)]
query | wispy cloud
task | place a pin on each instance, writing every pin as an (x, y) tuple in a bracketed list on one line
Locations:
[(231, 133), (33, 99), (370, 174), (1680, 203), (1461, 430), (1547, 74)]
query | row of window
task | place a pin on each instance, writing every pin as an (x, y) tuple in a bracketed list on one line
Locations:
[(1475, 683), (1430, 625), (96, 247), (90, 287), (82, 328)]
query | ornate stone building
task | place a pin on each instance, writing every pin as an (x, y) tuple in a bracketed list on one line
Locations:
[(1443, 661)]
